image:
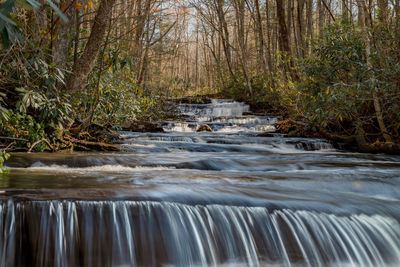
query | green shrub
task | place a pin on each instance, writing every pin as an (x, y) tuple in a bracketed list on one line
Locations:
[(337, 84), (3, 157)]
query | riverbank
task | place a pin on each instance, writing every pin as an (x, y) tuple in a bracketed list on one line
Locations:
[(100, 138)]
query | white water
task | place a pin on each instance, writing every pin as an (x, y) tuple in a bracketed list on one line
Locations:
[(222, 115), (144, 233)]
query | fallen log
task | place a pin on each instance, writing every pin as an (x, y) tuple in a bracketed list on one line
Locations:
[(84, 145)]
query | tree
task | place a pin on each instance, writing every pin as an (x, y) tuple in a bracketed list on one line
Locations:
[(84, 65)]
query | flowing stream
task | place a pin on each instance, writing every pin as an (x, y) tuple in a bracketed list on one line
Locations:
[(184, 198)]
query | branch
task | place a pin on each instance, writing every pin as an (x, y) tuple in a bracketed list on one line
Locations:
[(163, 35), (327, 8), (13, 138), (39, 141)]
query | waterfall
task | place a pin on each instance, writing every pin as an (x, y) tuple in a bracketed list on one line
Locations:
[(147, 233), (222, 115)]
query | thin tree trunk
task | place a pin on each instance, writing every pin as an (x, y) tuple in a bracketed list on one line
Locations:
[(283, 37), (362, 9), (239, 10), (321, 17), (383, 7), (224, 34), (84, 65), (261, 37), (300, 27), (310, 35), (63, 36)]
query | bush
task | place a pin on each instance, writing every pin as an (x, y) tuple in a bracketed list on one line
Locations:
[(338, 84), (3, 157), (31, 106)]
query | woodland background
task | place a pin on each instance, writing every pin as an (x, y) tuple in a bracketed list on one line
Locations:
[(332, 68)]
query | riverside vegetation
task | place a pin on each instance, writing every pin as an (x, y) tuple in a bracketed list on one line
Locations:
[(71, 71)]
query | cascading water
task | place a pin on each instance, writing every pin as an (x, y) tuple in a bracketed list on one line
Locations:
[(222, 198), (222, 115), (126, 233)]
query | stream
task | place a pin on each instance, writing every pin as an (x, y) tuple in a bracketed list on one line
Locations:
[(185, 198)]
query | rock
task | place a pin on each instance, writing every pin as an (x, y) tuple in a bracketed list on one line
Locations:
[(144, 127), (266, 134), (205, 128)]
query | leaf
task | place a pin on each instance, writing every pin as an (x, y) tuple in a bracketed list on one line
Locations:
[(327, 91), (58, 11), (7, 20), (90, 4), (34, 3)]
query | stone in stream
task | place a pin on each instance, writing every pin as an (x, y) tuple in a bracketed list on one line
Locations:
[(204, 128)]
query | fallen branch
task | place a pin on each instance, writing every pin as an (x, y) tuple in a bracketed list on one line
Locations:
[(39, 141), (297, 122), (9, 145), (13, 138)]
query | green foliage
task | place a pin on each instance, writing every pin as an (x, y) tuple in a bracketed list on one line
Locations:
[(3, 157), (277, 91), (115, 98), (337, 84), (10, 30), (31, 107), (24, 126), (48, 108), (36, 116), (120, 99), (3, 111)]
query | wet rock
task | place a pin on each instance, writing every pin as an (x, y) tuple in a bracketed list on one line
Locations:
[(205, 128), (144, 127), (266, 134)]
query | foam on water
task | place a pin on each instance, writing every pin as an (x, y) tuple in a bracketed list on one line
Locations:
[(37, 167)]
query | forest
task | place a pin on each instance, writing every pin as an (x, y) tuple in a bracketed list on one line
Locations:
[(199, 133), (329, 68)]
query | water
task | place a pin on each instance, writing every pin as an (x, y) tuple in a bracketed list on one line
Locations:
[(222, 198)]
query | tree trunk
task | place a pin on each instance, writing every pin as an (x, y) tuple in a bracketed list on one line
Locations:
[(64, 36), (300, 27), (321, 17), (84, 65), (283, 37), (383, 7), (239, 11), (224, 34), (310, 35), (283, 34), (260, 31), (362, 9)]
